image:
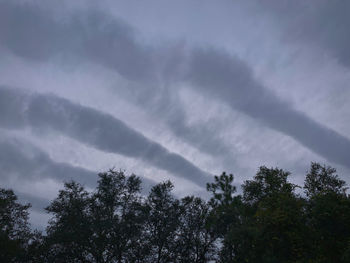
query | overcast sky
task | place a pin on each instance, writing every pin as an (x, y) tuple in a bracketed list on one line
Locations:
[(178, 90)]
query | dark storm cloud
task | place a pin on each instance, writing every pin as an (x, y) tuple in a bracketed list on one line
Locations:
[(229, 79), (91, 127), (29, 32), (322, 23)]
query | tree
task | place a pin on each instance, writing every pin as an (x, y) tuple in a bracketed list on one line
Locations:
[(105, 226), (269, 222), (263, 225), (15, 233), (223, 203), (321, 180), (228, 218), (195, 240), (69, 232), (117, 218), (162, 223), (278, 217), (328, 214), (267, 183)]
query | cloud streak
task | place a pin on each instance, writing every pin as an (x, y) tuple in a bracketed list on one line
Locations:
[(49, 113), (228, 79), (24, 161), (93, 36), (98, 38)]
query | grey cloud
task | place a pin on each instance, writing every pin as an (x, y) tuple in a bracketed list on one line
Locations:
[(94, 128), (202, 136), (37, 203), (322, 23), (21, 161), (328, 24), (229, 79), (107, 41), (24, 161), (30, 32)]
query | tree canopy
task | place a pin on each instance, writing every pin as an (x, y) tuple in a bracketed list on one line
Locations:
[(269, 220)]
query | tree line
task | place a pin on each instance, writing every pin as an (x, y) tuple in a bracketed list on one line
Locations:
[(271, 220)]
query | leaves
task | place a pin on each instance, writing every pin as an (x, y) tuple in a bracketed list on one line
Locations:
[(15, 234), (322, 180), (268, 222)]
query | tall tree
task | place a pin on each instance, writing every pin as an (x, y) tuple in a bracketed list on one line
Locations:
[(162, 223), (269, 222), (15, 233), (322, 179), (278, 217), (118, 217), (228, 218), (105, 226), (195, 240), (328, 214), (69, 232)]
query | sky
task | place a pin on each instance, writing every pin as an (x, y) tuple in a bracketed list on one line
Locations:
[(170, 90)]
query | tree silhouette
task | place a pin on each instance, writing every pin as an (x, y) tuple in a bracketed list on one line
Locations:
[(268, 222), (14, 228)]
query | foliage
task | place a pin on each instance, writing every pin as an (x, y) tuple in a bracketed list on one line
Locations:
[(15, 234), (269, 221)]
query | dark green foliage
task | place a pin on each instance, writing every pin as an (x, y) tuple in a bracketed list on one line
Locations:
[(195, 241), (328, 214), (321, 180), (226, 216), (15, 235), (267, 183), (277, 216), (104, 226), (117, 217), (68, 230), (269, 222), (222, 190), (162, 223)]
